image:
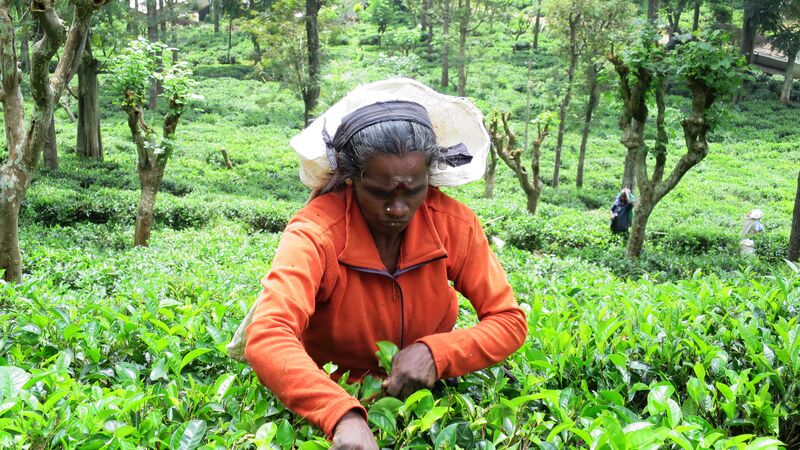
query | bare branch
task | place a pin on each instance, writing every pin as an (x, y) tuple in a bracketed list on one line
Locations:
[(43, 51), (8, 49), (73, 48), (67, 109), (52, 24), (686, 162), (662, 138), (2, 96)]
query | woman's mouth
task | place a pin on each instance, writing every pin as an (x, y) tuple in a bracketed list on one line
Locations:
[(394, 224)]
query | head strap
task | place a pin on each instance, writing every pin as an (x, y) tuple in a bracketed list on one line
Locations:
[(379, 112)]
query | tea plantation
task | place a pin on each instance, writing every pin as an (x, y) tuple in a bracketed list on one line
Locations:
[(691, 346)]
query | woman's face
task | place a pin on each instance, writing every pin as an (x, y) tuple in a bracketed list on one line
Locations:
[(391, 190)]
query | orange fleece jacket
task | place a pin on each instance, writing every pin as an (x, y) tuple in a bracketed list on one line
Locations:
[(328, 297)]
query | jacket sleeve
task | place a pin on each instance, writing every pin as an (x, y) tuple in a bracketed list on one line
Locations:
[(479, 276), (274, 348)]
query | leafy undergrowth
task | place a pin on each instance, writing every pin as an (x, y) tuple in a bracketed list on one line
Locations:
[(105, 346)]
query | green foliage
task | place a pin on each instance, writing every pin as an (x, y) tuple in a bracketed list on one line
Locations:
[(133, 69), (385, 354), (709, 58), (236, 71), (639, 48), (178, 86), (282, 33), (139, 334), (381, 14), (403, 39), (52, 205), (780, 20), (138, 64)]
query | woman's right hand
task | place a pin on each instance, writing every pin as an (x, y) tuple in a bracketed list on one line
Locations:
[(353, 433)]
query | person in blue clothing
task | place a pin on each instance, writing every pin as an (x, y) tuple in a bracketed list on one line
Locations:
[(622, 212)]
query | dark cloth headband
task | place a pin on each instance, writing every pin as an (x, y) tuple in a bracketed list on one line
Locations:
[(369, 115)]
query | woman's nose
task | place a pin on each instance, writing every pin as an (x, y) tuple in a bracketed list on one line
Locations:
[(397, 209)]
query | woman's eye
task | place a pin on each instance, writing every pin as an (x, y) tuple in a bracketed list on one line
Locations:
[(380, 194)]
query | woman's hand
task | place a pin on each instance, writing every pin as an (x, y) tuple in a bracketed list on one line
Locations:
[(412, 369), (353, 433)]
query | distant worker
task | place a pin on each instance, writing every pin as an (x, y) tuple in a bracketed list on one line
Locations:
[(622, 212), (752, 225)]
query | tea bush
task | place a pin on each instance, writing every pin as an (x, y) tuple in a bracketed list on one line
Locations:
[(104, 345), (235, 71)]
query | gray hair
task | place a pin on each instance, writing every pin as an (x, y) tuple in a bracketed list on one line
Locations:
[(393, 137)]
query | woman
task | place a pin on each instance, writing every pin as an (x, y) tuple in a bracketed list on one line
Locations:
[(369, 259), (622, 212)]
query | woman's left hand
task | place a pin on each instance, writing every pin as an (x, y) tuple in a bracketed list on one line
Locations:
[(412, 369)]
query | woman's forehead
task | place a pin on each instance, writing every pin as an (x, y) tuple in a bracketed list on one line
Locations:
[(406, 169)]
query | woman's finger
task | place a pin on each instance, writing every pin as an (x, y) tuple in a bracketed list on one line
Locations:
[(393, 385)]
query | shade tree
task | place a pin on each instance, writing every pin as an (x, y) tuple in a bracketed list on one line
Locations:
[(504, 145), (289, 34), (581, 28), (107, 34), (130, 77), (600, 23), (794, 238), (709, 67), (780, 22), (25, 139), (751, 19)]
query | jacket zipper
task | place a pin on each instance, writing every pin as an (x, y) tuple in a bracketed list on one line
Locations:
[(393, 277)]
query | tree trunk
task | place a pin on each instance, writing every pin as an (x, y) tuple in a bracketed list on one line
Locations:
[(26, 141), (696, 18), (445, 80), (464, 12), (133, 25), (230, 32), (24, 49), (89, 142), (676, 20), (537, 27), (162, 21), (216, 6), (490, 174), (152, 160), (505, 146), (150, 183), (562, 111), (10, 259), (312, 39), (794, 239), (426, 25), (788, 79), (628, 174), (173, 30), (256, 49), (641, 215), (152, 35), (750, 27), (533, 196), (652, 10), (51, 146), (591, 104)]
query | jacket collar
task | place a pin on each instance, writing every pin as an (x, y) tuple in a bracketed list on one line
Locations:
[(421, 243)]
